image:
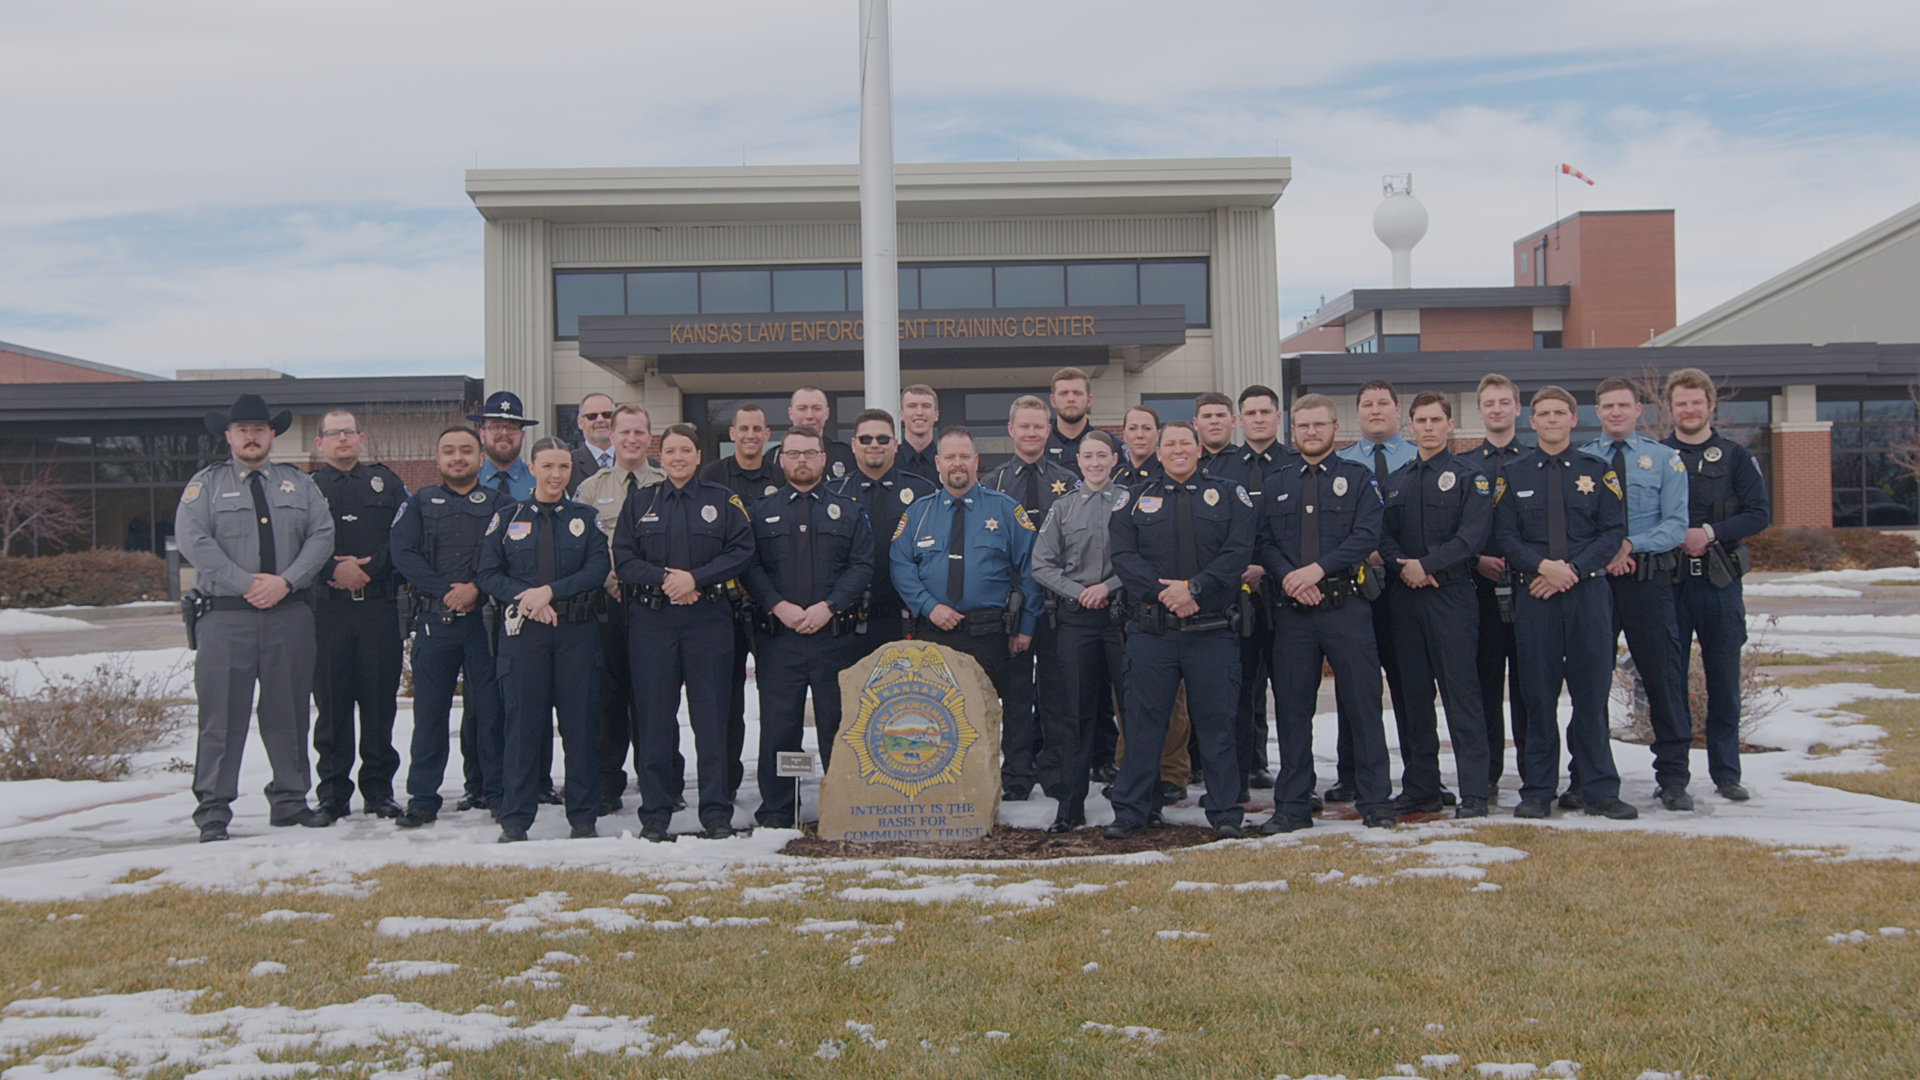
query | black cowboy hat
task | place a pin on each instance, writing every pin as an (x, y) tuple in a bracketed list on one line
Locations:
[(502, 405), (249, 409)]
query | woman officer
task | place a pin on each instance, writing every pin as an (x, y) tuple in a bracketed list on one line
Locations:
[(545, 560)]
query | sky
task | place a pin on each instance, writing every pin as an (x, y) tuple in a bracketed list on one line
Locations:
[(207, 184)]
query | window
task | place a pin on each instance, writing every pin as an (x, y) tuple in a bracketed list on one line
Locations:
[(575, 295), (672, 292), (1400, 343), (1545, 339), (956, 287), (1029, 286), (1176, 283), (909, 299), (809, 290), (734, 292), (1370, 345), (1873, 483), (1103, 285), (1170, 406)]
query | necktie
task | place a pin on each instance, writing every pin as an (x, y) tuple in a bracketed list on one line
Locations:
[(803, 552), (1310, 517), (1030, 494), (1620, 460), (679, 547), (1183, 532), (269, 561), (1380, 464), (957, 555), (543, 545), (502, 484), (1413, 536), (1556, 512)]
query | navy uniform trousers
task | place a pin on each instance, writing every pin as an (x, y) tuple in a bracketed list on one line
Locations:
[(1719, 618), (1498, 659), (1432, 647), (1343, 638), (1092, 656), (1209, 661), (786, 666), (691, 646), (1644, 611), (547, 671), (1381, 614), (359, 644), (440, 653), (1567, 639)]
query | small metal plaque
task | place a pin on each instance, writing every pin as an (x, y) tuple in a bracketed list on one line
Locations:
[(794, 764)]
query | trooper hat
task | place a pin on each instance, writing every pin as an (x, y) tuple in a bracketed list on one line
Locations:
[(502, 405), (249, 409)]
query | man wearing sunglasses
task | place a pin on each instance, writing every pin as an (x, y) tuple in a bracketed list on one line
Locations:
[(595, 452), (884, 492)]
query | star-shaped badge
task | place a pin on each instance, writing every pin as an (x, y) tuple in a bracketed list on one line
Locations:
[(1584, 485), (1059, 487), (993, 525)]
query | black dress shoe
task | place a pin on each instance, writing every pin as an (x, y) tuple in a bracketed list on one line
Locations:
[(1171, 793), (470, 801), (550, 797), (718, 830), (1246, 794), (1120, 830), (774, 822), (1611, 808), (679, 802), (1471, 806), (612, 806), (1260, 779), (1065, 825), (1534, 808), (1732, 792), (1106, 792), (306, 817), (1448, 797), (1197, 778), (655, 832), (384, 808), (1314, 804), (1229, 830), (1015, 794), (1341, 793), (1105, 774), (511, 834), (1408, 804), (1674, 797), (1572, 800), (584, 831), (1379, 818), (212, 832), (413, 817), (1284, 823), (337, 812)]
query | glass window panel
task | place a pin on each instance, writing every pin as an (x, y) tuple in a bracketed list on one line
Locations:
[(1880, 436), (1029, 286), (1846, 508), (956, 287), (1395, 342), (1846, 471), (671, 292), (1587, 418), (720, 410), (725, 292), (1176, 283), (988, 407), (1103, 284), (909, 289), (848, 406), (1170, 406), (1900, 409), (1845, 435), (1742, 412), (1880, 470), (575, 295), (69, 447), (1839, 412), (809, 290), (16, 449)]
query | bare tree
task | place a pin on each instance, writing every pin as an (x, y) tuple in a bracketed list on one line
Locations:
[(407, 431), (32, 507), (1656, 422), (1903, 447)]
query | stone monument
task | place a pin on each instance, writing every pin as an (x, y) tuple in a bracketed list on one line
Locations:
[(917, 756)]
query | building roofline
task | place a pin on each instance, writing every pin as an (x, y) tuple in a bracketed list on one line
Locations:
[(1796, 277), (1489, 296), (171, 399), (1589, 213), (74, 361)]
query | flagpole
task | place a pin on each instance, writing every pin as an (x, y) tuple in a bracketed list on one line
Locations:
[(879, 250)]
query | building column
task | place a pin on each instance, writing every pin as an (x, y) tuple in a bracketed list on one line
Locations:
[(519, 298), (1244, 280), (1802, 460)]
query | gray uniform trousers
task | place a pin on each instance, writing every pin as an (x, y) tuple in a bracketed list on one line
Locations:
[(274, 648)]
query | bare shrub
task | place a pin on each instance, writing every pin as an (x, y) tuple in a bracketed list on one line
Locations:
[(86, 727), (31, 505), (1805, 548), (1759, 697), (89, 578)]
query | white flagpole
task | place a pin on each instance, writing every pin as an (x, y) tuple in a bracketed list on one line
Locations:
[(879, 243)]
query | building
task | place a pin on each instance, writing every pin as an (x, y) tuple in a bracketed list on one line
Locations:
[(694, 290), (20, 364)]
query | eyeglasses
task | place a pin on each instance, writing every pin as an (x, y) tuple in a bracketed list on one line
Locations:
[(501, 425), (873, 440), (1313, 427), (339, 432), (800, 455), (596, 416)]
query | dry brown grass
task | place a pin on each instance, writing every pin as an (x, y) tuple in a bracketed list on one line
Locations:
[(1899, 752), (1623, 951)]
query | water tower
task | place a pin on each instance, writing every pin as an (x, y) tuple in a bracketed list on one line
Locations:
[(1400, 222)]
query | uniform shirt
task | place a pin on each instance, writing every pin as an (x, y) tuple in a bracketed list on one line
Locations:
[(1349, 515), (751, 485), (519, 478), (510, 554), (1725, 488), (1399, 452), (1129, 475), (1249, 467), (920, 463), (606, 492), (1656, 483), (1049, 482), (839, 460), (587, 460), (435, 541), (363, 501), (841, 541), (883, 501), (1492, 459), (1074, 548), (219, 533), (1146, 538), (1063, 451), (999, 554), (719, 536), (1455, 514), (1596, 515)]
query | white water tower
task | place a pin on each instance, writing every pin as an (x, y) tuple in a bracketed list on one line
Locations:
[(1400, 222)]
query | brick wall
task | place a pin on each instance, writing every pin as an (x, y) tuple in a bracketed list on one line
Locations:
[(21, 368), (1621, 269), (1802, 478), (1458, 329)]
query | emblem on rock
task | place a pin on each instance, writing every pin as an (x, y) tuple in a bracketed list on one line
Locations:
[(910, 730)]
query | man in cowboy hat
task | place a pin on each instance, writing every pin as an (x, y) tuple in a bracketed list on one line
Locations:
[(257, 534), (503, 423)]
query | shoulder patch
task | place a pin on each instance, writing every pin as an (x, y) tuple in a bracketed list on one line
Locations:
[(1481, 485), (740, 506), (400, 513), (1121, 502), (1678, 465), (493, 525), (900, 527), (1612, 482), (1499, 489), (192, 492), (1020, 515), (1245, 499)]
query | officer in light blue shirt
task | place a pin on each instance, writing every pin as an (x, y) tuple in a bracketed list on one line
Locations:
[(1642, 577), (503, 422)]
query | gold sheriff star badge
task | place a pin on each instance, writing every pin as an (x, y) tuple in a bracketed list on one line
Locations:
[(1059, 487), (1584, 485)]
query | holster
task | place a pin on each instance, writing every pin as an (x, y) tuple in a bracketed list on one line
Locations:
[(1720, 568), (1503, 597), (1660, 564), (190, 615), (1010, 618), (490, 617), (1246, 624), (1368, 583)]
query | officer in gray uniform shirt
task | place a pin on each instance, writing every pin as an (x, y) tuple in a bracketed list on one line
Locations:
[(257, 535)]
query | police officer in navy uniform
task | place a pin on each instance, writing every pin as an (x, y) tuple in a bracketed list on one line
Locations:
[(1034, 480), (680, 549), (884, 491), (1727, 502), (1180, 549), (1072, 400), (919, 445), (1558, 523), (1139, 448), (961, 557), (1439, 513), (1318, 522), (1641, 576), (435, 544), (812, 562), (1498, 403), (356, 625), (545, 561)]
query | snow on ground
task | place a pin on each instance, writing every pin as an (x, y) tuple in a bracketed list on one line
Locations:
[(1795, 589), (1831, 635), (18, 621), (1859, 577)]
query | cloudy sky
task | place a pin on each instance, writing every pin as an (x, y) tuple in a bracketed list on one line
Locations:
[(201, 184)]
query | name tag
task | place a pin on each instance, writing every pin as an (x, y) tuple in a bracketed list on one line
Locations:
[(1281, 498), (925, 542), (235, 495), (772, 519), (603, 502), (650, 517), (1527, 494)]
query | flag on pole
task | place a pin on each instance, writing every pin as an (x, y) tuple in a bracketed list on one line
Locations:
[(1568, 170)]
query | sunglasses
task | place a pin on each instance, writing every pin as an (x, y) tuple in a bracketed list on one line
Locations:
[(596, 416), (873, 440)]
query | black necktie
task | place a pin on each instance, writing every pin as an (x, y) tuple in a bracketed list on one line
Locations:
[(679, 547), (502, 484), (1413, 536), (269, 561), (1183, 532), (1620, 460), (1310, 517), (1380, 464), (544, 545), (803, 552), (1556, 512), (957, 555), (1030, 497)]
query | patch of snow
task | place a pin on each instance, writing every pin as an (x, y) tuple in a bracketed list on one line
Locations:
[(1131, 1032), (1525, 1070), (1485, 886), (1328, 877), (265, 968), (1563, 1068), (829, 1049), (1181, 935), (1195, 886), (409, 969), (865, 1034), (1464, 873), (705, 1044), (1090, 967), (654, 899), (999, 1036), (18, 621), (1438, 1061), (191, 961), (1891, 573), (1279, 885), (1792, 589), (767, 894), (1035, 893), (406, 926), (288, 915)]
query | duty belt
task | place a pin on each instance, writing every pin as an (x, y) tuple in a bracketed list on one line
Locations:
[(239, 603), (373, 590), (980, 622), (655, 597), (1659, 564), (1155, 618), (1333, 594)]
